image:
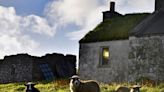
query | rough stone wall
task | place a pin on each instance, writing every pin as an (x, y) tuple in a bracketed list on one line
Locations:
[(131, 60), (16, 69), (23, 67), (36, 71), (61, 66), (147, 58), (89, 58)]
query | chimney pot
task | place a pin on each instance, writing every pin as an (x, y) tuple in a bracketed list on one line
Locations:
[(159, 4), (112, 6)]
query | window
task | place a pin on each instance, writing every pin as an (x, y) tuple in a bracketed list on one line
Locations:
[(105, 56)]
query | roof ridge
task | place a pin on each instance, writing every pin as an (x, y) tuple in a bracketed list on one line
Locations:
[(143, 25)]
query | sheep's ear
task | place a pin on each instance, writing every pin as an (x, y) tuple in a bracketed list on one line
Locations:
[(70, 78)]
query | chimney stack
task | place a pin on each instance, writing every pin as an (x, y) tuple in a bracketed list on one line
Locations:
[(159, 4), (112, 6), (112, 13)]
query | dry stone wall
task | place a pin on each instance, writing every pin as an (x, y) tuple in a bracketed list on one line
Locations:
[(23, 67)]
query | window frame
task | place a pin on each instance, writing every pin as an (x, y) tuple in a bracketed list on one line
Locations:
[(101, 57)]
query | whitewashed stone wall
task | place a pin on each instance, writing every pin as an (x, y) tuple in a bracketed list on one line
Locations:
[(89, 58)]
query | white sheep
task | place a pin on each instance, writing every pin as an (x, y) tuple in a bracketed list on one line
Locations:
[(77, 85), (135, 88)]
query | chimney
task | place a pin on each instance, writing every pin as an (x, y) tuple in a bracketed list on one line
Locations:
[(159, 4), (112, 13), (112, 6)]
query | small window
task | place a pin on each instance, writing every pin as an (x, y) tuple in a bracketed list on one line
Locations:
[(105, 55)]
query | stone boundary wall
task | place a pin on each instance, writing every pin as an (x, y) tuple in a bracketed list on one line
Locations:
[(23, 67)]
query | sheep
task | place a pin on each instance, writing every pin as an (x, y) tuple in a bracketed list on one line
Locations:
[(77, 85), (134, 88), (30, 87), (122, 89)]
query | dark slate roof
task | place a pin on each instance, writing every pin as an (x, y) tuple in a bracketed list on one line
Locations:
[(114, 28), (152, 25)]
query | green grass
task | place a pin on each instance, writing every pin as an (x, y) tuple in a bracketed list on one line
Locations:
[(63, 86), (114, 29), (57, 86)]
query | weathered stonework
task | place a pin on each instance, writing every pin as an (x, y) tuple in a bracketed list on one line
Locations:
[(146, 56), (140, 56), (23, 67), (89, 59), (18, 68), (130, 60)]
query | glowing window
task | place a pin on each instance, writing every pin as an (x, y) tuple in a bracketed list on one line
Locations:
[(105, 56)]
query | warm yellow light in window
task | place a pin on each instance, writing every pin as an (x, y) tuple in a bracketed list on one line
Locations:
[(106, 54)]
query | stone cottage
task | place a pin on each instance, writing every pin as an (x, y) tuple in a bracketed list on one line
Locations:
[(124, 48), (24, 68)]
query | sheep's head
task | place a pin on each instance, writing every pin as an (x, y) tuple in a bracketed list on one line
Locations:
[(75, 81), (29, 86), (135, 88)]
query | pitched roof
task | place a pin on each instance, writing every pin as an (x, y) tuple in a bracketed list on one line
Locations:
[(114, 29), (152, 25)]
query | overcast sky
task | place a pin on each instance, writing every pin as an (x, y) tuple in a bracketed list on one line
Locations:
[(38, 27)]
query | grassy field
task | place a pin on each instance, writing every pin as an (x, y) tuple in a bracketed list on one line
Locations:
[(63, 86)]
